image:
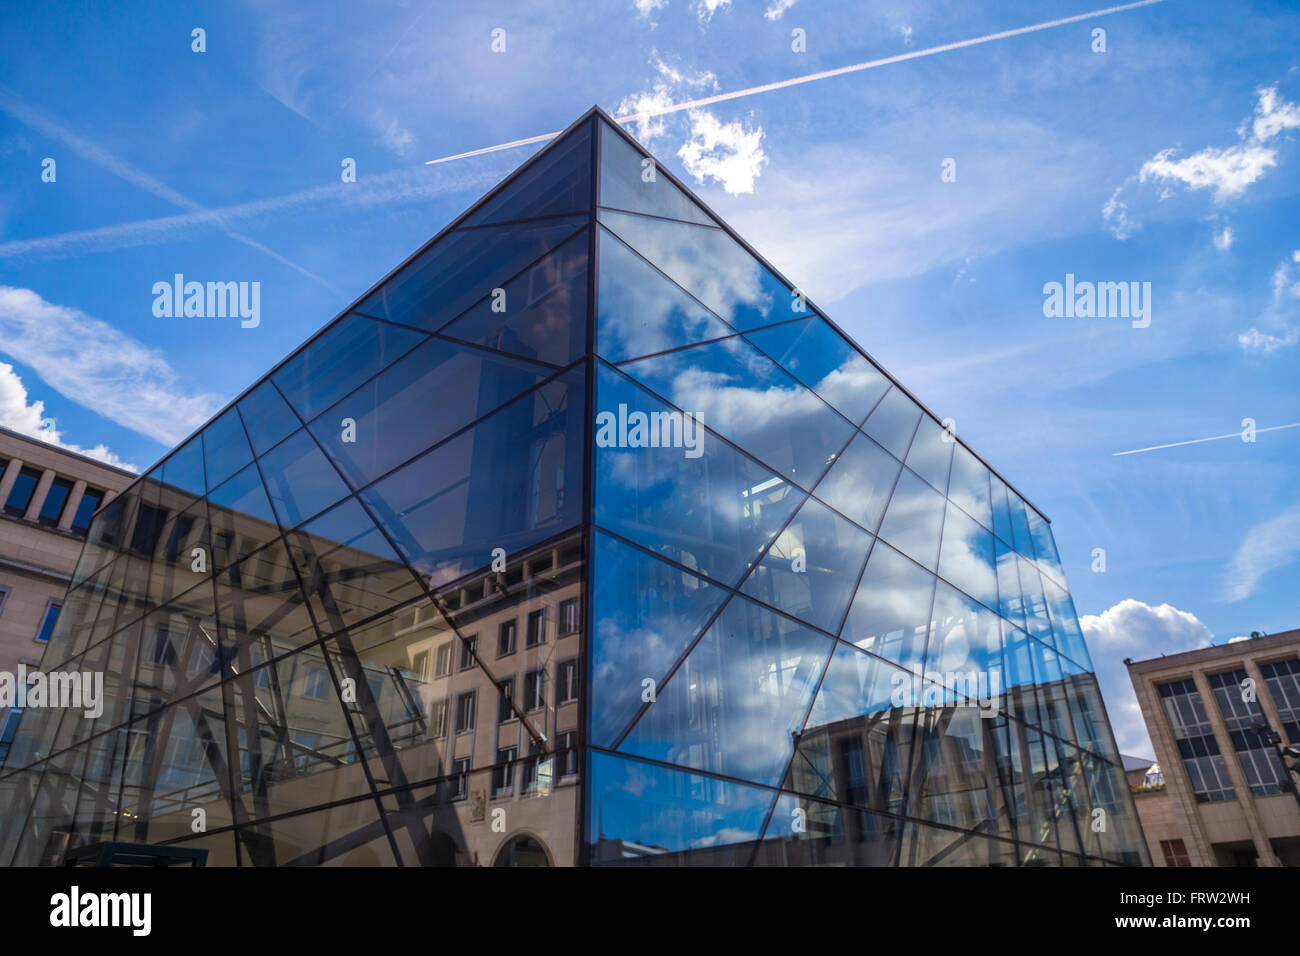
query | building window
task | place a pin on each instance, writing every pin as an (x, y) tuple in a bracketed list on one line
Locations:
[(533, 767), (468, 648), (566, 679), (1283, 681), (1175, 853), (465, 712), (7, 733), (1206, 771), (438, 719), (506, 638), (420, 666), (442, 660), (536, 633), (55, 499), (148, 528), (20, 496), (505, 707), (4, 596), (91, 499), (48, 621), (569, 616), (503, 775), (1243, 717), (567, 745), (314, 686), (534, 693), (460, 780)]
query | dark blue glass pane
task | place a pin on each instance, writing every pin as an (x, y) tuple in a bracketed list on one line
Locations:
[(557, 181), (425, 396), (462, 267), (508, 482), (968, 487), (1045, 546), (891, 611), (1020, 526), (964, 651), (859, 483), (966, 557), (645, 613), (931, 453), (225, 448), (543, 314), (351, 351), (715, 512), (642, 312), (629, 180), (711, 266), (893, 422), (812, 568), (183, 470), (1010, 604), (267, 419), (818, 356), (742, 395), (640, 813), (300, 480), (240, 508), (737, 701), (914, 519), (1001, 515)]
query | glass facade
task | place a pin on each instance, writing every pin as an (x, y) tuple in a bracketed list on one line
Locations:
[(581, 538)]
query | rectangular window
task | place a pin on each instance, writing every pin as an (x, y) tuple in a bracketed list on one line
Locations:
[(506, 638), (534, 692), (503, 775), (505, 706), (569, 620), (55, 499), (4, 596), (468, 648), (566, 679), (148, 528), (420, 666), (1283, 681), (20, 496), (1197, 747), (1242, 716), (465, 712), (536, 633), (533, 767), (567, 745), (314, 686), (460, 782), (91, 499), (7, 733), (48, 621), (1175, 852), (438, 719), (442, 660)]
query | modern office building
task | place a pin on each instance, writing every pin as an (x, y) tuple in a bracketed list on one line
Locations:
[(47, 498), (581, 538), (1217, 717)]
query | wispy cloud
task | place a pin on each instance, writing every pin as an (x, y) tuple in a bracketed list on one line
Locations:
[(392, 134), (705, 9), (101, 368), (777, 8), (1269, 545), (18, 413), (646, 7), (1280, 314)]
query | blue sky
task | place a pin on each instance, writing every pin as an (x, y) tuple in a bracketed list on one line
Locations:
[(1170, 158)]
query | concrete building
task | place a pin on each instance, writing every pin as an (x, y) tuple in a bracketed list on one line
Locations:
[(47, 496), (1225, 798)]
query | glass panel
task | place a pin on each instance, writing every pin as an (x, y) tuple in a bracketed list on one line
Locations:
[(1036, 619), (241, 515), (432, 392), (183, 470), (859, 483), (812, 568), (955, 786), (225, 448), (450, 508), (1001, 515), (966, 557), (714, 513), (1021, 681), (965, 650), (828, 835), (645, 613), (179, 651), (267, 418), (738, 699), (968, 487), (1020, 525), (749, 400), (931, 453), (462, 267), (914, 519), (351, 834), (711, 266), (890, 615), (1010, 601), (1065, 625), (626, 182), (893, 422), (641, 312), (350, 351), (259, 603), (184, 556), (300, 479), (818, 356), (1044, 546), (545, 310), (557, 180)]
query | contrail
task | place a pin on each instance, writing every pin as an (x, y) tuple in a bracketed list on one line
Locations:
[(813, 77), (1197, 441)]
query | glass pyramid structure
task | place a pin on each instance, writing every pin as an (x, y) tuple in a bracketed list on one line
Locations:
[(582, 538)]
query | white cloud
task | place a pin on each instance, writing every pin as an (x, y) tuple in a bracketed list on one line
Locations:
[(777, 8), (904, 31), (1115, 212), (726, 152), (1224, 238), (646, 7), (1279, 314), (1272, 117), (1256, 341), (391, 134), (19, 414), (100, 368), (1139, 630), (705, 9), (1269, 545), (668, 80)]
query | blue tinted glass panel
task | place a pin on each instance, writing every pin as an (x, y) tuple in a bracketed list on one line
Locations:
[(914, 519), (711, 266), (462, 267), (240, 507), (818, 356), (812, 568), (1045, 546), (1010, 603), (545, 310), (968, 486), (893, 422), (351, 351), (300, 480), (1020, 526), (626, 182), (891, 611), (645, 613), (749, 400), (1031, 587), (557, 181), (859, 483), (424, 397), (1001, 514), (931, 453), (714, 513), (225, 448), (965, 647), (1065, 625), (738, 699), (183, 470), (642, 312), (966, 557), (449, 509), (267, 418)]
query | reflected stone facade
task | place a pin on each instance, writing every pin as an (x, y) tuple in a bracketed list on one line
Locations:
[(581, 538)]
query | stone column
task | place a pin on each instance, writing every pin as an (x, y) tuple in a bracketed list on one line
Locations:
[(7, 480), (74, 502), (38, 495)]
